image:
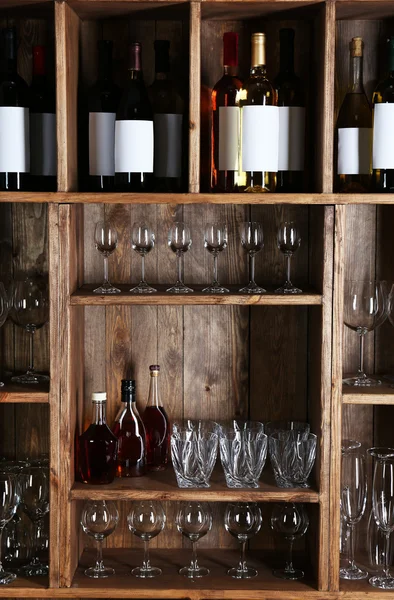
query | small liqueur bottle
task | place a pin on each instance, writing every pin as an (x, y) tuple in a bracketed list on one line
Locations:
[(97, 447), (130, 432), (157, 426)]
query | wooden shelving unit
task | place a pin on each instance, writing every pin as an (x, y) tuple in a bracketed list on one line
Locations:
[(15, 393)]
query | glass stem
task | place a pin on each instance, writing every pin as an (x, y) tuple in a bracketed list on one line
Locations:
[(215, 269), (37, 540), (99, 558), (361, 361), (289, 564), (352, 540), (1, 553), (251, 269), (106, 269), (146, 561), (179, 263), (288, 267), (386, 555), (31, 350), (143, 268), (193, 565), (242, 562)]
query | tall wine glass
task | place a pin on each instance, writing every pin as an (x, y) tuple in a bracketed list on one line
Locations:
[(106, 242), (353, 503), (4, 308), (290, 520), (179, 240), (252, 241), (9, 499), (99, 519), (146, 520), (215, 241), (383, 508), (242, 521), (142, 241), (364, 310), (30, 310), (288, 241), (194, 520), (347, 445)]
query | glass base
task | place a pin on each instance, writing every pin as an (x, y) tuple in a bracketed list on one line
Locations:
[(186, 483), (288, 288), (293, 575), (146, 573), (99, 573), (252, 288), (194, 573), (382, 582), (215, 288), (30, 377), (143, 288), (246, 573), (106, 288), (282, 483), (179, 288), (235, 483), (6, 577), (32, 570), (353, 573), (362, 381)]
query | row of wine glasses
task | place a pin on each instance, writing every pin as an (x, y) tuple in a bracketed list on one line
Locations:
[(215, 241), (193, 520)]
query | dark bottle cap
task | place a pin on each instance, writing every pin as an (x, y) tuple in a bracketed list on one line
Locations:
[(154, 368), (162, 56), (128, 385), (135, 61), (8, 49), (230, 49)]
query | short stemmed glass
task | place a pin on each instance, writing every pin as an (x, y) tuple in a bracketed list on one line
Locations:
[(9, 499), (179, 240), (4, 307), (146, 520), (242, 521), (252, 241), (215, 241), (106, 242), (353, 503), (291, 521), (288, 241), (35, 503), (364, 311), (99, 519), (194, 520), (142, 241)]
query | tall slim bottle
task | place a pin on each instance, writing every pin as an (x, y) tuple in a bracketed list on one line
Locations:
[(259, 157), (130, 432), (157, 425), (354, 130), (225, 121)]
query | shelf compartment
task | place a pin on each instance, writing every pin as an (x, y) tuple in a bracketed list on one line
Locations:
[(16, 393), (25, 588), (382, 394)]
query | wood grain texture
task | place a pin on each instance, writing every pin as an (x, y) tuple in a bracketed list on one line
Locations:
[(194, 96), (326, 97), (14, 394)]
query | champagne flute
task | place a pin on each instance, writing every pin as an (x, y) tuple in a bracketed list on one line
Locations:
[(242, 521), (99, 519), (9, 500), (194, 520), (142, 241), (215, 241), (106, 242), (383, 508), (179, 240), (146, 520), (288, 241), (4, 308), (252, 241), (291, 520)]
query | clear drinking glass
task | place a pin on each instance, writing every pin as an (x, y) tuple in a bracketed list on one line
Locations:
[(252, 241), (35, 503), (9, 500), (376, 546), (242, 521), (215, 241), (288, 241), (364, 310), (146, 520), (179, 240), (290, 520), (17, 541), (296, 429), (194, 520), (106, 242), (194, 454), (292, 458), (4, 308), (347, 445), (99, 519), (243, 453), (142, 241)]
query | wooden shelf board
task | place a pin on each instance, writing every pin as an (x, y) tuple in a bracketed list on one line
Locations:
[(17, 393), (24, 587), (382, 394)]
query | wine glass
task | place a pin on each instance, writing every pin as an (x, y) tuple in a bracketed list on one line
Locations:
[(4, 308), (194, 520), (288, 242), (35, 503), (215, 241), (353, 502), (364, 311), (179, 241), (383, 508), (9, 500), (99, 519), (106, 241), (347, 445), (252, 241), (30, 310), (243, 521), (142, 241), (291, 520), (146, 520)]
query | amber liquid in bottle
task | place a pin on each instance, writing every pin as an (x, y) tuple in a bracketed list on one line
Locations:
[(130, 433), (157, 426)]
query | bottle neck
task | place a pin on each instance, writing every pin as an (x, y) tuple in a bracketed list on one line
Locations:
[(105, 71), (356, 74), (258, 71), (9, 53), (391, 61), (128, 398), (38, 64), (286, 60), (99, 413), (153, 399), (135, 75), (161, 76)]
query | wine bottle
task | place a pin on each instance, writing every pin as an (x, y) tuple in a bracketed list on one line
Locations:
[(383, 129), (103, 102), (14, 117), (225, 121), (259, 146), (157, 426), (134, 131), (168, 109), (130, 432), (43, 150), (354, 130), (291, 105)]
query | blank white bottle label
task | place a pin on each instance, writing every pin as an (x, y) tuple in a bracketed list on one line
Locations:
[(43, 151), (291, 138), (134, 147), (228, 138), (383, 136), (354, 150), (168, 145), (102, 143), (260, 138), (14, 139)]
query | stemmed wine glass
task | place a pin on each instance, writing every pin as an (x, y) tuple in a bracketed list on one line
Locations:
[(364, 311), (35, 503), (4, 307), (288, 241), (9, 500), (99, 519), (242, 521), (252, 241), (194, 520), (30, 310), (142, 241), (146, 520), (291, 520), (179, 240), (106, 242), (215, 241)]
